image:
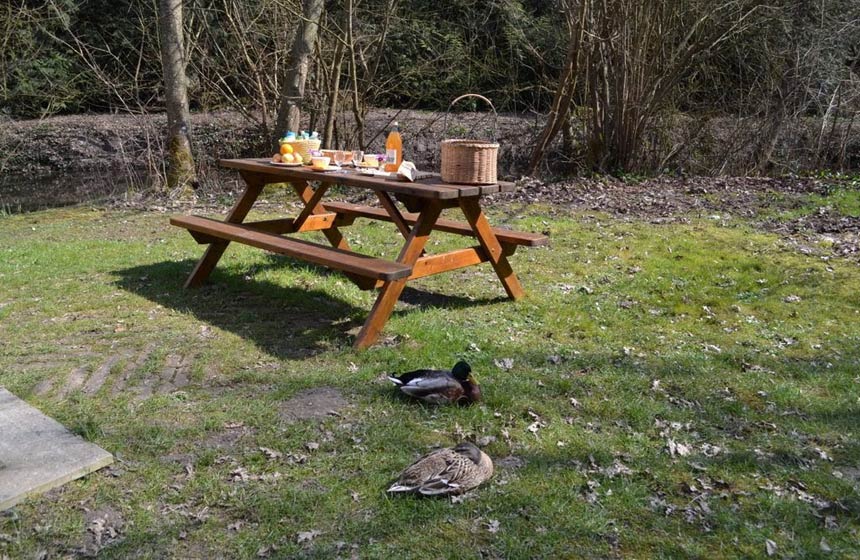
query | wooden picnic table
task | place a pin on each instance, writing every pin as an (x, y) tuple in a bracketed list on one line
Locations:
[(424, 201)]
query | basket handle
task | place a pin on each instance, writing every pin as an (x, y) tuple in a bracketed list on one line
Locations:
[(490, 103)]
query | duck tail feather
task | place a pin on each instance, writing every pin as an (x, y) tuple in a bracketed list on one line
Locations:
[(397, 487)]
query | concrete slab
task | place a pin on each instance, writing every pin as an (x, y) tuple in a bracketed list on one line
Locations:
[(37, 453)]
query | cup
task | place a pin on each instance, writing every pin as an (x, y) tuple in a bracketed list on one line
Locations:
[(320, 162), (339, 158), (357, 158)]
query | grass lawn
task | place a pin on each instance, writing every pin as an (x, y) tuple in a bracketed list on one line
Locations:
[(687, 389)]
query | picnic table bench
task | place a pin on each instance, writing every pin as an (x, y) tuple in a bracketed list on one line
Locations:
[(424, 201)]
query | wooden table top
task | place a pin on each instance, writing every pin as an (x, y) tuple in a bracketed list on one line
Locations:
[(431, 187)]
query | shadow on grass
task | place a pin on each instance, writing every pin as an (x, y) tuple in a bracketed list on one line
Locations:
[(287, 322)]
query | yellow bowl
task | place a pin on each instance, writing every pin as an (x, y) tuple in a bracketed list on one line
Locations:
[(320, 162)]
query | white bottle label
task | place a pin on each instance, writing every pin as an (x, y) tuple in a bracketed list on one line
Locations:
[(391, 156)]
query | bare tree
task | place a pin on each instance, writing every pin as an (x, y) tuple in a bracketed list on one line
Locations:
[(628, 57), (180, 172), (293, 92)]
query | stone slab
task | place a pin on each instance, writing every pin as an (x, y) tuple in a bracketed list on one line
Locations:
[(37, 453)]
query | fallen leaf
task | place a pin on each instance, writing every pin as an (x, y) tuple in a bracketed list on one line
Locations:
[(235, 526), (823, 455), (505, 364), (535, 426), (312, 446), (239, 475), (675, 448), (575, 403), (822, 544), (493, 526), (616, 469), (710, 450), (307, 536), (791, 299), (770, 547), (271, 453)]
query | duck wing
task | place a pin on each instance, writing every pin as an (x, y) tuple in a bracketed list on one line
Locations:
[(437, 389), (459, 475), (409, 376), (426, 468)]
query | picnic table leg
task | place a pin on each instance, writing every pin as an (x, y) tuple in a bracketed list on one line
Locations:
[(391, 290), (311, 199), (237, 214), (394, 212), (484, 232)]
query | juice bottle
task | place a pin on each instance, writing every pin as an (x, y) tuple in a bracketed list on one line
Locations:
[(393, 149)]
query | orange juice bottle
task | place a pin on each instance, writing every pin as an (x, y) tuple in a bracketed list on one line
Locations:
[(393, 149)]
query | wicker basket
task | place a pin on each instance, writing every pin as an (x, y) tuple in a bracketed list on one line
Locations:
[(470, 162), (304, 147)]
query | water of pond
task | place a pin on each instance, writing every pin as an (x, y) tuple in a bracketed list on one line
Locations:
[(24, 193)]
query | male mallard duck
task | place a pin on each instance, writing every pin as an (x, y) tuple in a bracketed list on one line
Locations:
[(439, 386), (446, 471)]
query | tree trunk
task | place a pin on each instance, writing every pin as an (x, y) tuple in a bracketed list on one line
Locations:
[(560, 108), (180, 161), (334, 92), (289, 112)]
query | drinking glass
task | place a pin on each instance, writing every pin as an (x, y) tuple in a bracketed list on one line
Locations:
[(357, 158), (339, 158)]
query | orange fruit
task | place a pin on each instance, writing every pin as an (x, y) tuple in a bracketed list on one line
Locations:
[(286, 148)]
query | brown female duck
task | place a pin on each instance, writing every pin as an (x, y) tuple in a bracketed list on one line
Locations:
[(446, 471)]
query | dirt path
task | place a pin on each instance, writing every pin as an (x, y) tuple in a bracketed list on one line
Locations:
[(764, 201)]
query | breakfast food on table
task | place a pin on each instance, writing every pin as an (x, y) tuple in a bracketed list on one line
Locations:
[(295, 148)]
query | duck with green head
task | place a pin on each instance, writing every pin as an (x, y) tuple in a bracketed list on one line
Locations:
[(439, 386)]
